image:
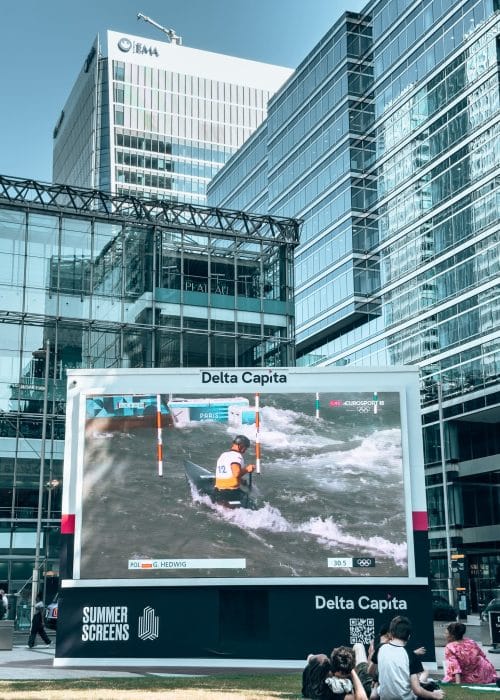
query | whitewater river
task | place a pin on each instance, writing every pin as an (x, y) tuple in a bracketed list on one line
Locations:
[(330, 487)]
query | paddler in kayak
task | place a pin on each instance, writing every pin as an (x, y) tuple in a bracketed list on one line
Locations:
[(230, 470)]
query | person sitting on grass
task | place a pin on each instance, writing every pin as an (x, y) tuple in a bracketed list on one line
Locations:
[(383, 638), (464, 660), (399, 669), (334, 678)]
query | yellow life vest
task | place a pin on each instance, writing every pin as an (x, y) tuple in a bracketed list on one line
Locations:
[(224, 475)]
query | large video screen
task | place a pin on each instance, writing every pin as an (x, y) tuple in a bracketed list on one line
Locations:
[(326, 498)]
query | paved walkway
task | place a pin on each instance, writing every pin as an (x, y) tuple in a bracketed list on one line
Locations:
[(37, 664)]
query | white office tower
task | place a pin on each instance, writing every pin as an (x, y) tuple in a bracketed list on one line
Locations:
[(158, 119)]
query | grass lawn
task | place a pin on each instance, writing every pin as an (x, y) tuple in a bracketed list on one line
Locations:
[(214, 687)]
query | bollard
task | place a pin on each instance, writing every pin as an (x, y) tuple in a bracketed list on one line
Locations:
[(6, 634)]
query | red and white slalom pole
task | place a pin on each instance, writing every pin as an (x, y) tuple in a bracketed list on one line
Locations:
[(159, 437), (257, 433)]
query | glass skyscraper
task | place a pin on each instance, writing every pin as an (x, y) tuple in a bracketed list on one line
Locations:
[(159, 119), (386, 143)]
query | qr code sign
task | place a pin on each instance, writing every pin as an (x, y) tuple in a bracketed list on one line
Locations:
[(361, 629)]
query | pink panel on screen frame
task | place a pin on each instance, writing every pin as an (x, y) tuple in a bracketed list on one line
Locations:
[(420, 521), (68, 524)]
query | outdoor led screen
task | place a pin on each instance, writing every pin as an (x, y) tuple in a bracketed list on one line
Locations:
[(330, 498)]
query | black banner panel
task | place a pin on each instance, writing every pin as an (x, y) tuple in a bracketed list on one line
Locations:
[(283, 622)]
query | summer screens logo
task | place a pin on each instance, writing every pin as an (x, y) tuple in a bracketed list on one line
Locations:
[(318, 508), (110, 623), (148, 624)]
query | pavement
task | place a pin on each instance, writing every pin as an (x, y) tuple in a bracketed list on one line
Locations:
[(22, 663)]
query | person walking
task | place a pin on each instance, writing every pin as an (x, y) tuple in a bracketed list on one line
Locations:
[(37, 626)]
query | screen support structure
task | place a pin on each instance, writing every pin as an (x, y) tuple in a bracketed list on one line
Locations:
[(36, 568), (444, 476)]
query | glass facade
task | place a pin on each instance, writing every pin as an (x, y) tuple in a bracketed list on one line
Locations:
[(157, 119), (98, 281), (386, 143)]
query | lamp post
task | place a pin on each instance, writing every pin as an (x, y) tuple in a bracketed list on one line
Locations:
[(36, 568), (444, 477)]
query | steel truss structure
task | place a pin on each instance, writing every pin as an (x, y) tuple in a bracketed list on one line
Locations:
[(103, 205)]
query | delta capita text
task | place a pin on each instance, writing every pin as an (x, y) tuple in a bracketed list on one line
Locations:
[(247, 377), (364, 602)]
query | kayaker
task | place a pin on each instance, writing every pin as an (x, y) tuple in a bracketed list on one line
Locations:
[(230, 470)]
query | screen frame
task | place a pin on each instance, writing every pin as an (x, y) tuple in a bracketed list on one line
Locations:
[(83, 384)]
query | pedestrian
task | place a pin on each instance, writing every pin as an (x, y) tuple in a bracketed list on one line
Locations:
[(37, 626), (4, 605)]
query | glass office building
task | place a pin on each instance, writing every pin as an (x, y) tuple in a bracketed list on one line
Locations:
[(158, 119), (94, 280), (386, 142)]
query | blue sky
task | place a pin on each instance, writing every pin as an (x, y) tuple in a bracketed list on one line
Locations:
[(44, 42)]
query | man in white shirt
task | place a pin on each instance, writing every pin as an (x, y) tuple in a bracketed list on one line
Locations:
[(398, 670)]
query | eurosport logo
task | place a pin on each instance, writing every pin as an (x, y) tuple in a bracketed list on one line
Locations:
[(359, 405)]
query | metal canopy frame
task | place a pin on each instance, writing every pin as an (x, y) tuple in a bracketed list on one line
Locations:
[(123, 208)]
